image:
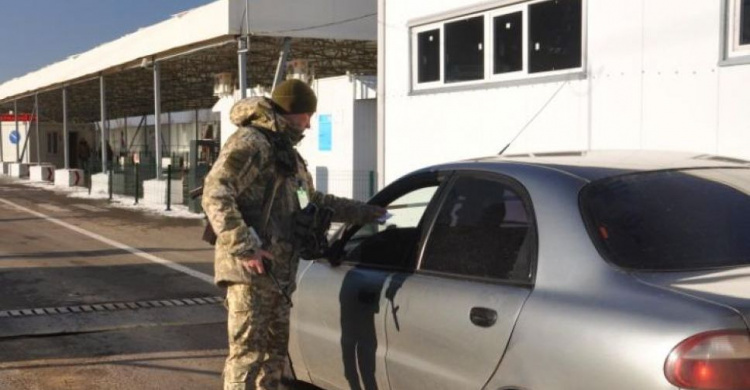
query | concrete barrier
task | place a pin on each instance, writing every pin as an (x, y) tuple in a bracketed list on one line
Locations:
[(5, 168), (43, 172), (155, 192), (100, 183), (69, 178), (19, 170)]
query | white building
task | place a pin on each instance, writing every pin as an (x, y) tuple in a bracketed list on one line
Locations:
[(461, 79)]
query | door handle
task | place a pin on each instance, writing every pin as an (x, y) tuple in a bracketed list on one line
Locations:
[(482, 316), (368, 297)]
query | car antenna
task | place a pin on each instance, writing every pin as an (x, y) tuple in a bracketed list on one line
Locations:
[(533, 118)]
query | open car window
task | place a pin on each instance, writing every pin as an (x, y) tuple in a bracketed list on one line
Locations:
[(394, 243)]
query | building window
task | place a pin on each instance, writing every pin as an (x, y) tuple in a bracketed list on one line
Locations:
[(507, 50), (428, 56), (745, 22), (554, 35), (525, 40), (464, 50), (738, 29)]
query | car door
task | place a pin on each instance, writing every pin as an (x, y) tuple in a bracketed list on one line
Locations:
[(337, 332), (449, 323)]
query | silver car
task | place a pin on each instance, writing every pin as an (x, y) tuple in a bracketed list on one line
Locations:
[(594, 270)]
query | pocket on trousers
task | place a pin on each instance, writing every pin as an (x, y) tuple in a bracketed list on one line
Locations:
[(238, 298)]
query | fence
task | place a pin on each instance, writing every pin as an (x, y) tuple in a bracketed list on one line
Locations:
[(139, 181)]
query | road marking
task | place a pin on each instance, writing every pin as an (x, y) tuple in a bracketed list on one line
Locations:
[(167, 263), (53, 208), (89, 207), (110, 306)]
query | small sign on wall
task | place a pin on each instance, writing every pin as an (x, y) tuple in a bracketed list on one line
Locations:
[(325, 130)]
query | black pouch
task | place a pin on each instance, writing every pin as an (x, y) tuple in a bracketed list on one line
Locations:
[(209, 235), (310, 231)]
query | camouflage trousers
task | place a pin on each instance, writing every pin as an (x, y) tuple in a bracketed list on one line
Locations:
[(258, 330)]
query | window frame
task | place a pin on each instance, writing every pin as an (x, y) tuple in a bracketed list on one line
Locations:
[(389, 194), (513, 185), (735, 48), (490, 60), (414, 44), (511, 78)]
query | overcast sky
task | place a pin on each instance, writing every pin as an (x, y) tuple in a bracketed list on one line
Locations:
[(37, 33)]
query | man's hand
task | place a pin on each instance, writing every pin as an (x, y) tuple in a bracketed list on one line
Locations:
[(254, 264)]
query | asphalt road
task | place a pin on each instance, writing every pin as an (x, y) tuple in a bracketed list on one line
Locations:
[(95, 297)]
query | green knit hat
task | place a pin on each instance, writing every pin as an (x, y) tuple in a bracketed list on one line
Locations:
[(295, 97)]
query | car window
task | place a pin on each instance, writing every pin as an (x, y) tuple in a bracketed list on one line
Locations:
[(672, 220), (484, 230), (392, 243)]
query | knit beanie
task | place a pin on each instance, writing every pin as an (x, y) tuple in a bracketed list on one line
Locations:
[(295, 97)]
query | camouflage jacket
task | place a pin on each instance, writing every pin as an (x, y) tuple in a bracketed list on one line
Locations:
[(236, 186)]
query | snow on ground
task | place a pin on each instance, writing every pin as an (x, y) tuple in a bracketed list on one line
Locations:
[(119, 201)]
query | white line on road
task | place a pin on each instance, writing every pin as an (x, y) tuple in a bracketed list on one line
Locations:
[(53, 208), (169, 264)]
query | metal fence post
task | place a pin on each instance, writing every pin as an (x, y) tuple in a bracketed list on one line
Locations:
[(169, 186), (110, 182), (87, 175), (136, 182)]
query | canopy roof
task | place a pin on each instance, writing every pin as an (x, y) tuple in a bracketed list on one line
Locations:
[(335, 36)]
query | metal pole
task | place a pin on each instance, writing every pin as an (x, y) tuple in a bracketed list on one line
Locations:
[(242, 48), (2, 157), (110, 182), (157, 118), (18, 132), (197, 127), (281, 66), (65, 127), (380, 148), (169, 186), (36, 126), (136, 182), (103, 117)]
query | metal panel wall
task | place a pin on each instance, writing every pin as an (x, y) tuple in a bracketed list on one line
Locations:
[(653, 82)]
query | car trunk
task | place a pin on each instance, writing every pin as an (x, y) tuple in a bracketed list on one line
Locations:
[(729, 287)]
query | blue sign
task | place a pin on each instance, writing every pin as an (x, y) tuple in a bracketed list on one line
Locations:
[(15, 137), (325, 130)]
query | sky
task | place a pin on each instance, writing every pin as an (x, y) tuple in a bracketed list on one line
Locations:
[(37, 33)]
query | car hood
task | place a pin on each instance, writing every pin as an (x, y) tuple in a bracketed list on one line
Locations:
[(728, 288)]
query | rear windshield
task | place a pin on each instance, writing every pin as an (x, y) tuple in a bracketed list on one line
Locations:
[(672, 220)]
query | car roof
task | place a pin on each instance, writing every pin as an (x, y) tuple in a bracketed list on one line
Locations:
[(594, 165)]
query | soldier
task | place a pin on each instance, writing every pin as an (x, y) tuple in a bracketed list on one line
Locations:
[(259, 162)]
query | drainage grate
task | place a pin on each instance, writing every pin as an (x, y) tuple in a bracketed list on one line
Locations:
[(118, 306)]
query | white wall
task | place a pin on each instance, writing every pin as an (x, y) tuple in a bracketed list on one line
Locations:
[(10, 153), (653, 82), (344, 169)]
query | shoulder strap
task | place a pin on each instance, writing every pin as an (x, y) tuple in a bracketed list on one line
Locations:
[(268, 197)]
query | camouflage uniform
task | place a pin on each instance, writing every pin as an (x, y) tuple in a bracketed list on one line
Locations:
[(258, 322)]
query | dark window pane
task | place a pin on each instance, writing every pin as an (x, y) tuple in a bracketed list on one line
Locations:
[(482, 231), (464, 50), (554, 35), (673, 220), (745, 23), (428, 56), (508, 47)]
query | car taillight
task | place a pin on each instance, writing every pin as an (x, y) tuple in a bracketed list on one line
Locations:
[(717, 360)]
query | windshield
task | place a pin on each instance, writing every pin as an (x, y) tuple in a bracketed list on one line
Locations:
[(672, 220)]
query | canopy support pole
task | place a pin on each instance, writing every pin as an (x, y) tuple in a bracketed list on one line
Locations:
[(66, 147), (157, 117), (104, 127), (281, 66)]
